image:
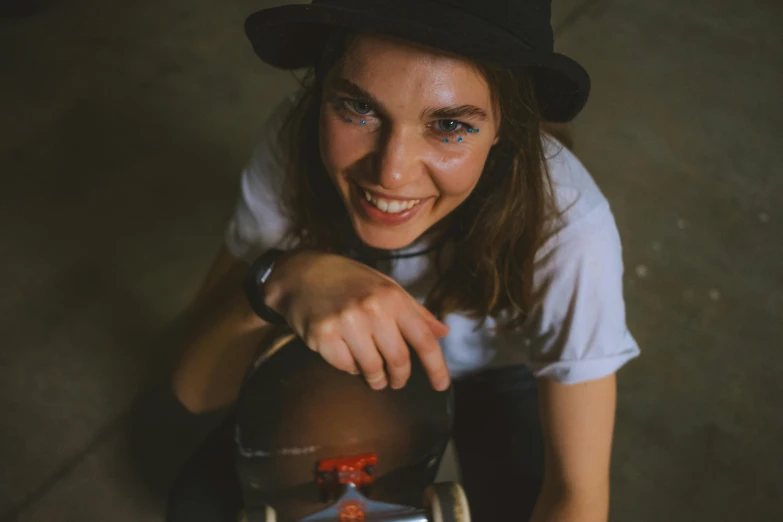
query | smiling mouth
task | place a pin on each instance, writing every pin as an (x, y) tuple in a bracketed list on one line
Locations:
[(389, 206)]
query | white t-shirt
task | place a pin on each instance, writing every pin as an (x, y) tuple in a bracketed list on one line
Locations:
[(577, 329)]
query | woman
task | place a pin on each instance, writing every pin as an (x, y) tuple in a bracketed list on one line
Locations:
[(417, 199)]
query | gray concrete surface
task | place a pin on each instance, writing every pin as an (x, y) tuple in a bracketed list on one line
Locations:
[(123, 128)]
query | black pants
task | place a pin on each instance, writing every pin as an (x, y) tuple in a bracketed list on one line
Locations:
[(497, 434)]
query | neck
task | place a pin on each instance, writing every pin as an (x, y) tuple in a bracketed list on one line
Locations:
[(431, 240)]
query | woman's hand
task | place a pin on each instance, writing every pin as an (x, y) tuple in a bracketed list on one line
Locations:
[(357, 318)]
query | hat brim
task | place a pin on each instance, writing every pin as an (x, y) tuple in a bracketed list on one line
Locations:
[(294, 36)]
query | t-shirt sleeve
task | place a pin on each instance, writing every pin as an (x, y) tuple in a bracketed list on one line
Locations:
[(258, 222), (577, 328)]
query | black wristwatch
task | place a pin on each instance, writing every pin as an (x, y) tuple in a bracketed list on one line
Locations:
[(255, 278)]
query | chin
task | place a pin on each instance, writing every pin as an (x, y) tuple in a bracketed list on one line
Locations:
[(385, 239)]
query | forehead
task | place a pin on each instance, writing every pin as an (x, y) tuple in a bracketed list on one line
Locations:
[(394, 68)]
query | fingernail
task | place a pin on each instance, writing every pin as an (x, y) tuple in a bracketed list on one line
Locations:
[(442, 385), (397, 385), (379, 385)]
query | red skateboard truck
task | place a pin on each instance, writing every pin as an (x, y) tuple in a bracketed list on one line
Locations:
[(358, 470)]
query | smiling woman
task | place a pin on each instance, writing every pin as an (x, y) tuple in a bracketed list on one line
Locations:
[(412, 196), (399, 145)]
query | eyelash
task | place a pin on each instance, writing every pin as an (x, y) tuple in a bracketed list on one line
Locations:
[(342, 105)]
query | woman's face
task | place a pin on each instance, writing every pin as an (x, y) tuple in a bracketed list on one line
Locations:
[(404, 134)]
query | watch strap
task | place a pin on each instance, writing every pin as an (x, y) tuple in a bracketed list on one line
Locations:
[(255, 278)]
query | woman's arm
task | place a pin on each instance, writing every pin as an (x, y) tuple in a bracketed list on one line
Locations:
[(578, 424), (220, 341)]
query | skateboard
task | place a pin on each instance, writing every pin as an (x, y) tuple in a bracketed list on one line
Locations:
[(316, 444)]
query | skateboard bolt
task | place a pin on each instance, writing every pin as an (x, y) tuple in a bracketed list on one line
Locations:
[(369, 469)]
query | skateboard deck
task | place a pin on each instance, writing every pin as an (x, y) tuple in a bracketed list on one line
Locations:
[(311, 438)]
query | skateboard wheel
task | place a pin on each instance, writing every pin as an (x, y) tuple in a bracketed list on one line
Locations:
[(447, 502), (259, 514)]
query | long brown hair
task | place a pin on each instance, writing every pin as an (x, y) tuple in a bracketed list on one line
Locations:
[(497, 229)]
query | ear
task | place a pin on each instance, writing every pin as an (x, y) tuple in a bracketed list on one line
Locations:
[(497, 139)]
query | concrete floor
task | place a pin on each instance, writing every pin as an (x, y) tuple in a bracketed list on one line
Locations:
[(123, 128)]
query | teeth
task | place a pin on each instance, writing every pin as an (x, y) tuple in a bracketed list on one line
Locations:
[(390, 206)]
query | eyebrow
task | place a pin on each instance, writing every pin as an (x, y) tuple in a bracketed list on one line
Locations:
[(443, 113)]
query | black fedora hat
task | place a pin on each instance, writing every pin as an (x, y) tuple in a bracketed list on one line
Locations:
[(510, 33)]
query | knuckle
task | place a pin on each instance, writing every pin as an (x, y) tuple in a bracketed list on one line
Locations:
[(388, 292), (310, 339), (373, 367), (427, 346), (373, 305), (322, 329), (399, 358), (349, 315), (385, 303), (439, 371)]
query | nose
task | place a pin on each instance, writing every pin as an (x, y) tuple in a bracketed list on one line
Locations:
[(397, 160)]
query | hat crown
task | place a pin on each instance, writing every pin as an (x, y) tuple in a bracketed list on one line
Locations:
[(525, 20), (514, 34)]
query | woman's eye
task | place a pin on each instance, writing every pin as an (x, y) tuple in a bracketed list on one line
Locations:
[(448, 125), (361, 108)]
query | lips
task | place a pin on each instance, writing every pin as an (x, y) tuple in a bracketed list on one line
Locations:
[(392, 206), (383, 211)]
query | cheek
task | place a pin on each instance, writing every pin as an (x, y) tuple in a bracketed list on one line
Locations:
[(457, 175), (340, 147)]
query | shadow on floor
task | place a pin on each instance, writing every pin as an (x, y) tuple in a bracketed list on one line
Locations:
[(162, 434)]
